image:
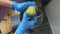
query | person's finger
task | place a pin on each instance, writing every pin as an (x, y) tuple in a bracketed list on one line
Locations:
[(32, 23), (34, 17), (25, 15)]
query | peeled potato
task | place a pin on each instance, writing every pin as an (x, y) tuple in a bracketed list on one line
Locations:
[(31, 11)]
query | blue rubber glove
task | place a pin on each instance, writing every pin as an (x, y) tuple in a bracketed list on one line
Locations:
[(25, 24), (21, 6)]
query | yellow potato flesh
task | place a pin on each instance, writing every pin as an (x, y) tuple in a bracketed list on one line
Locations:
[(31, 11)]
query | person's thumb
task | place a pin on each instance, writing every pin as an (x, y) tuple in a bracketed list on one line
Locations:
[(25, 15)]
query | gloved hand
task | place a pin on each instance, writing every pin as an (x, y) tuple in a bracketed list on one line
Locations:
[(21, 6), (25, 24)]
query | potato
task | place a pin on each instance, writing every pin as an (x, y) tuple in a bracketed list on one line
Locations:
[(31, 11)]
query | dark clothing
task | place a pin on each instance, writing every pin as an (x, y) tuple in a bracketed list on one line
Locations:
[(3, 10)]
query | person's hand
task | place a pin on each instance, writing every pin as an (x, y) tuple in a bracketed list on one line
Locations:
[(21, 6), (25, 24)]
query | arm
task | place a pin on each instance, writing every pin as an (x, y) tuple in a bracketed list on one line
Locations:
[(6, 3), (21, 7)]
